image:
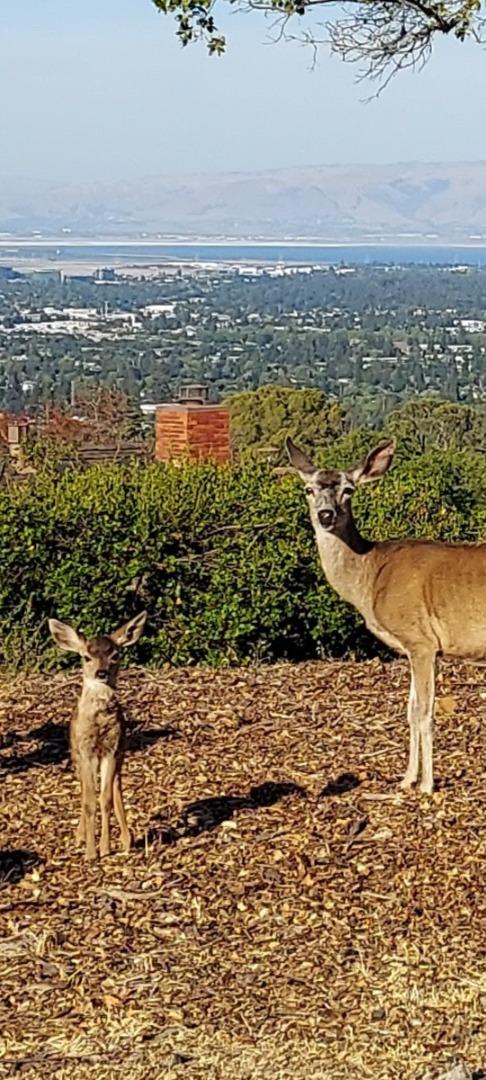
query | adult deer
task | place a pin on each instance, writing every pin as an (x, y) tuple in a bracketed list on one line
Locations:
[(97, 732), (422, 598)]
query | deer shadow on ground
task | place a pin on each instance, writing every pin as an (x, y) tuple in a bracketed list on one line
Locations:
[(15, 863), (340, 786), (53, 744), (204, 815)]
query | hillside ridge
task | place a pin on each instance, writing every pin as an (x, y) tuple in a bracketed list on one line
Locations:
[(335, 202)]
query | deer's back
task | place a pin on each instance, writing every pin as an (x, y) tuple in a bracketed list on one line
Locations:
[(431, 592)]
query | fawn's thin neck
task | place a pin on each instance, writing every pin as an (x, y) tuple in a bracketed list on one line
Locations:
[(92, 685)]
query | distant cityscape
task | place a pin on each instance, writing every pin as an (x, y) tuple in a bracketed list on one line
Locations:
[(369, 336)]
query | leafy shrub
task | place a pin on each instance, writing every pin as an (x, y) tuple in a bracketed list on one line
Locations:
[(224, 559)]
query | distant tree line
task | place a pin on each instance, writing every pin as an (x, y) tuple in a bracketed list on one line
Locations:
[(370, 339)]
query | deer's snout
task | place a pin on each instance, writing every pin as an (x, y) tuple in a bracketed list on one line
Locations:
[(326, 518), (103, 676)]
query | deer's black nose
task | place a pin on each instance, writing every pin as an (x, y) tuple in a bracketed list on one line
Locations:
[(103, 676), (326, 518)]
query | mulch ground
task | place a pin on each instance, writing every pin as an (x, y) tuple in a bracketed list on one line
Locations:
[(286, 911)]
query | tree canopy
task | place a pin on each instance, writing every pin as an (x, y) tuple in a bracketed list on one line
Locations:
[(260, 419), (384, 36)]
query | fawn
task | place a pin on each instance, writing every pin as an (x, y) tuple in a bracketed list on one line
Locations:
[(98, 729)]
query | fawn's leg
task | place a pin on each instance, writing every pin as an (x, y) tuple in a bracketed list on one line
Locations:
[(87, 775), (120, 809), (107, 775), (81, 829)]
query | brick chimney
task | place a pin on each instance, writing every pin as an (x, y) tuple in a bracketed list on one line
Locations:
[(191, 428)]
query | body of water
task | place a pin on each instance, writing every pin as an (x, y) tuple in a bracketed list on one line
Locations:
[(151, 253)]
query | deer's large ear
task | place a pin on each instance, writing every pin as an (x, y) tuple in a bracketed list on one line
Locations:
[(375, 464), (66, 637), (298, 459), (130, 632)]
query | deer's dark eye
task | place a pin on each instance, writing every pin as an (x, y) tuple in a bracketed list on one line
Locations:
[(308, 490), (348, 491)]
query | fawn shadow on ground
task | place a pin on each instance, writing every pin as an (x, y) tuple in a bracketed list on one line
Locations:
[(53, 745), (207, 814), (52, 748), (139, 738), (14, 864)]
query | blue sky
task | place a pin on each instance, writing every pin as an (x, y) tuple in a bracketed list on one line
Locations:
[(101, 89)]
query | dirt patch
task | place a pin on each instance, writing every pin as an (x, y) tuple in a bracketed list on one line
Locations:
[(286, 912)]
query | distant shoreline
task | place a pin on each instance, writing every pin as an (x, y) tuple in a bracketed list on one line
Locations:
[(398, 242), (75, 256)]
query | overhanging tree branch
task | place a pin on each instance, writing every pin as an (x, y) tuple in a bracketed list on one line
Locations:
[(384, 36)]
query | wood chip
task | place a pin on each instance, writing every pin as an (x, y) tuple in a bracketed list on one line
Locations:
[(285, 913)]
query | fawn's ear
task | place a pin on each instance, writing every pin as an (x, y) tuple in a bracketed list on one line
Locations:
[(130, 632), (298, 459), (66, 637), (375, 464)]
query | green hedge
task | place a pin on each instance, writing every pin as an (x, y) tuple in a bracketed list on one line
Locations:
[(224, 559)]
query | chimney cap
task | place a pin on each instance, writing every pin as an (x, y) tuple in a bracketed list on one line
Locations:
[(193, 394)]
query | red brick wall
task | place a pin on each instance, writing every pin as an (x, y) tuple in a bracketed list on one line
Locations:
[(185, 431)]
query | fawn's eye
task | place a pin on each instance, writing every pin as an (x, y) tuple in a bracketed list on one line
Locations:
[(348, 491), (308, 490)]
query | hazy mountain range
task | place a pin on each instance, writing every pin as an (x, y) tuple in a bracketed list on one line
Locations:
[(328, 202)]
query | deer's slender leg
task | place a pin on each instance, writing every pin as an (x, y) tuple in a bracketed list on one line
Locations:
[(411, 775), (120, 810), (107, 774), (87, 773), (423, 667)]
